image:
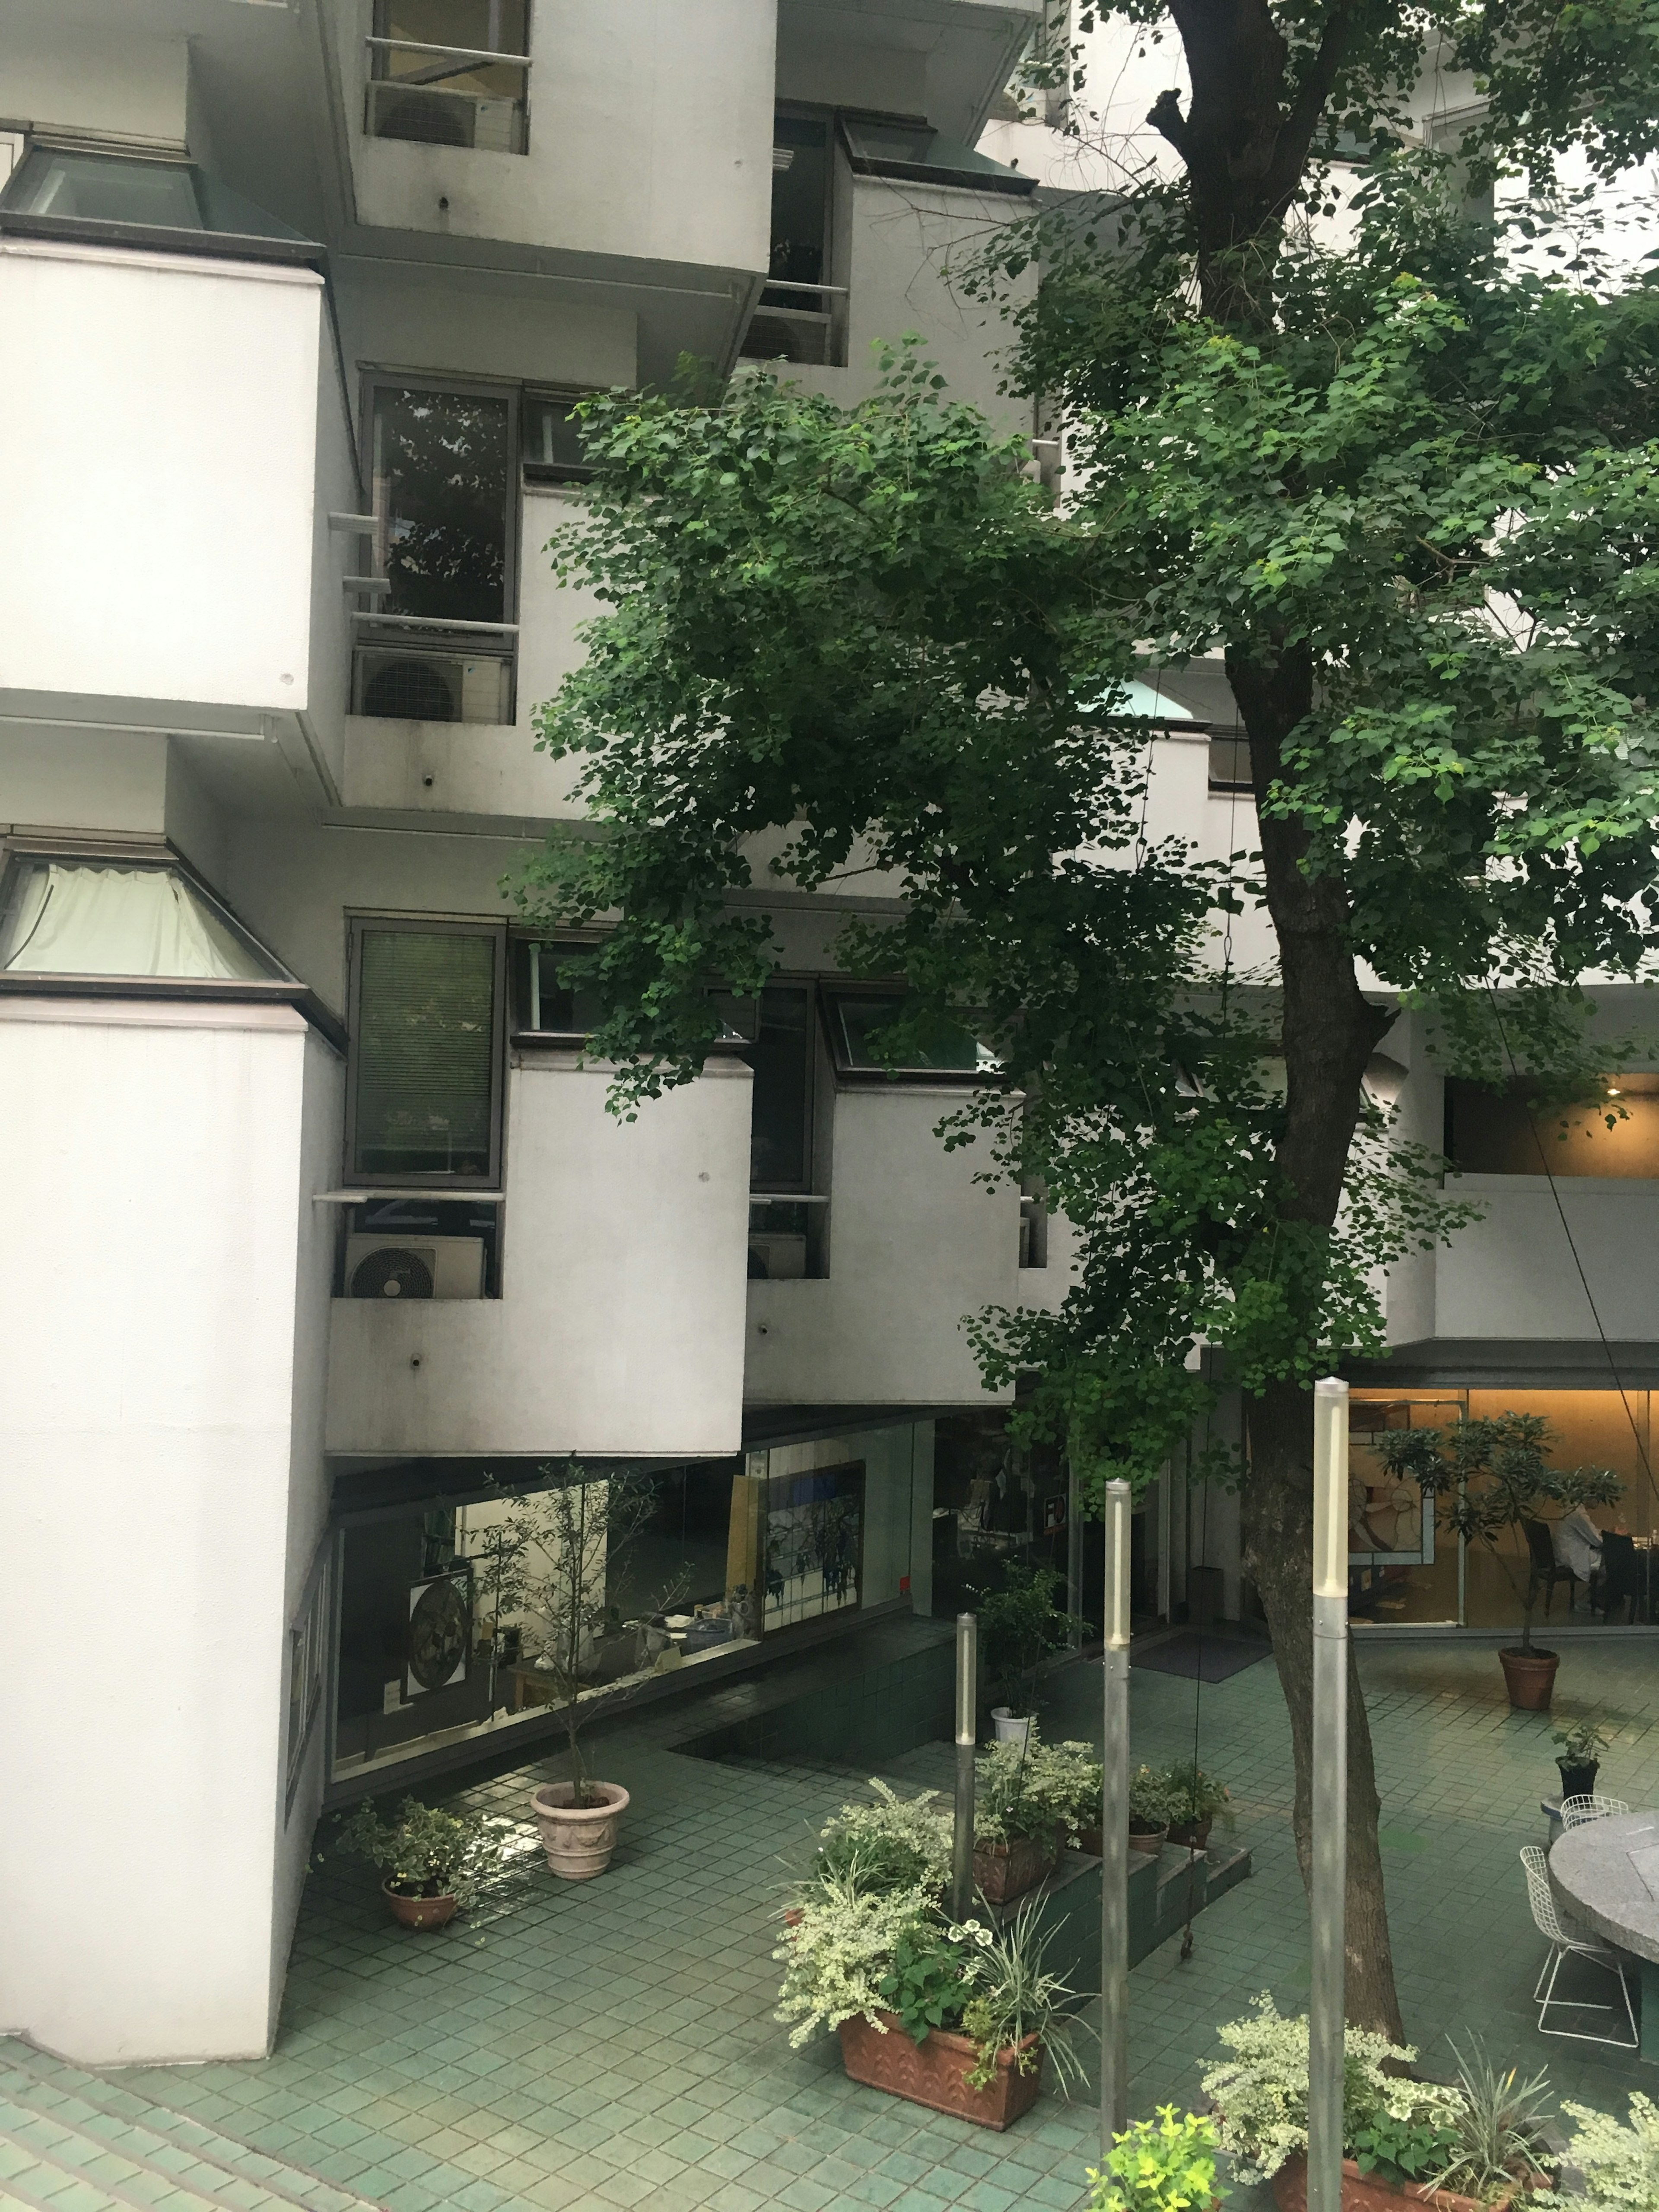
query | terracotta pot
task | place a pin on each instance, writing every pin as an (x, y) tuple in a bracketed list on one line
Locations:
[(578, 1840), (1191, 1835), (793, 1917), (418, 1911), (1005, 1871), (1151, 1841), (1368, 2192), (932, 2072), (1530, 1677)]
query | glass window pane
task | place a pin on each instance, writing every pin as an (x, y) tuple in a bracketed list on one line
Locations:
[(861, 1028), (108, 188), (91, 919), (424, 1053), (552, 435), (780, 1058), (440, 482)]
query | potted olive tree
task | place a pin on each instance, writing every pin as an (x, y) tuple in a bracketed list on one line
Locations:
[(576, 1536), (1489, 1477)]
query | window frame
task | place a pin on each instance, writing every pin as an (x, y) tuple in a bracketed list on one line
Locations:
[(836, 290), (552, 472), (380, 41), (848, 1075), (360, 926)]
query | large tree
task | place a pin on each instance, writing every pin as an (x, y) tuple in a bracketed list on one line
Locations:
[(1407, 492)]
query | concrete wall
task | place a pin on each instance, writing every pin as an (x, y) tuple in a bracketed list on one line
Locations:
[(173, 561), (915, 1247), (1513, 1273), (650, 136), (620, 1328), (117, 83), (466, 322), (146, 1458)]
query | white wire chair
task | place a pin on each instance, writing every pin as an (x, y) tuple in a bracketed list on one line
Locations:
[(1579, 1812), (1567, 1943)]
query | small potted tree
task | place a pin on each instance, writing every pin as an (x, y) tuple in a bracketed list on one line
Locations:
[(435, 1861), (576, 1537), (1579, 1761), (1196, 1801), (1020, 1627), (1490, 1477)]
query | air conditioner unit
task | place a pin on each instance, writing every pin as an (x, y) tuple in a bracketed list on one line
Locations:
[(777, 1259), (495, 126), (415, 1267), (397, 684)]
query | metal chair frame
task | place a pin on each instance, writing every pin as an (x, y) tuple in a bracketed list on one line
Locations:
[(1579, 1811), (1564, 1946)]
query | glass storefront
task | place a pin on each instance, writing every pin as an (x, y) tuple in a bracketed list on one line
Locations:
[(995, 1504), (1405, 1570)]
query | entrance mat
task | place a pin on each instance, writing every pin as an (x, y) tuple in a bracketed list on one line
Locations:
[(1203, 1658)]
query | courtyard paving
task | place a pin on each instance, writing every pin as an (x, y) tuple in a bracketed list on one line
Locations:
[(611, 2044)]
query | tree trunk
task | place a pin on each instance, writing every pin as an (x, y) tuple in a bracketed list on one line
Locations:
[(1278, 1527)]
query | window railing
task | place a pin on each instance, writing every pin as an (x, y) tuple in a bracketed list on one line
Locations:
[(794, 322), (788, 1237), (412, 94)]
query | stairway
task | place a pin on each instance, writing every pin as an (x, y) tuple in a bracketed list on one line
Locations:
[(73, 2142)]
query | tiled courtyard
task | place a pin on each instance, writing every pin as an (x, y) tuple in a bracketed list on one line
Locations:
[(612, 2044)]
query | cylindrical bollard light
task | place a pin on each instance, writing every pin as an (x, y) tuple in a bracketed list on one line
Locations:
[(962, 1841), (1328, 1897), (1114, 1827)]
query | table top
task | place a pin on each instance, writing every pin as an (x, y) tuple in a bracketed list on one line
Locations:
[(1599, 1884)]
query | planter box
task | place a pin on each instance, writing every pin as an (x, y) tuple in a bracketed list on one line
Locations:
[(1368, 2192), (932, 2072), (1003, 1871)]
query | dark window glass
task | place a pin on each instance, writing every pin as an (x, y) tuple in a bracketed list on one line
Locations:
[(800, 200), (424, 1053), (456, 99), (859, 1026), (441, 473), (780, 1056), (541, 1001), (552, 438)]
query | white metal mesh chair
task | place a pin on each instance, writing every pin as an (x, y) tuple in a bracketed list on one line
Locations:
[(1569, 1943), (1576, 1812)]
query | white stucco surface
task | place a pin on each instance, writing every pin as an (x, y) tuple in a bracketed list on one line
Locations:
[(147, 1461), (1514, 1273)]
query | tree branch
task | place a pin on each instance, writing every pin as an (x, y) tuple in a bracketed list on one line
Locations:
[(1166, 118)]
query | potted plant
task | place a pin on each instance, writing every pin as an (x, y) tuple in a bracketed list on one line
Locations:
[(1490, 1477), (576, 1538), (1016, 1827), (1579, 1759), (893, 1843), (958, 2017), (1020, 1627), (1196, 1801), (1161, 2165), (1066, 1776), (436, 1861)]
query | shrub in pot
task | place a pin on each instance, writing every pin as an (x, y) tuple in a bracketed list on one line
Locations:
[(436, 1861), (1018, 1826), (1489, 1477), (1160, 2165), (1578, 1760), (1196, 1800)]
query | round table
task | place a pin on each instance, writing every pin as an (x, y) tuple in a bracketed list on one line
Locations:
[(1600, 1885)]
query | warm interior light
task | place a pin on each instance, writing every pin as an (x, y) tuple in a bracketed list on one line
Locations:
[(1614, 1092)]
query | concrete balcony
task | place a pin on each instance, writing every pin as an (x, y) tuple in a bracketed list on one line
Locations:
[(1514, 1274)]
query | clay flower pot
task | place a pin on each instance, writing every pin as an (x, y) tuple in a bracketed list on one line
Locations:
[(932, 2072), (1368, 2192), (1005, 1871), (1530, 1677), (418, 1911), (578, 1840), (1190, 1835)]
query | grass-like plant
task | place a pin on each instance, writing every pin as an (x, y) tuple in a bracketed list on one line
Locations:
[(892, 1843), (1500, 2124)]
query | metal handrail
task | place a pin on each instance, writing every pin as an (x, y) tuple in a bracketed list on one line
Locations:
[(793, 284), (434, 622), (449, 53)]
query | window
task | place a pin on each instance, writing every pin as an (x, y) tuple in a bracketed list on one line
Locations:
[(64, 192), (779, 1144), (426, 1053), (540, 1001), (433, 79), (797, 319), (860, 1029), (65, 917), (1230, 765), (1516, 1132), (437, 645), (553, 449)]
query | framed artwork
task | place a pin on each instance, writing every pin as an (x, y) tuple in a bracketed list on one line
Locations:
[(439, 1633)]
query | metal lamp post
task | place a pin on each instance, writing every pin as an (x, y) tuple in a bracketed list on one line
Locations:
[(1327, 1899), (1114, 1827)]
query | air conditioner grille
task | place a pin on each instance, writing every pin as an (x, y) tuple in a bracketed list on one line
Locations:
[(392, 1272)]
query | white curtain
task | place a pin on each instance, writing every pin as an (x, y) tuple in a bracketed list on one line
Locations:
[(76, 920)]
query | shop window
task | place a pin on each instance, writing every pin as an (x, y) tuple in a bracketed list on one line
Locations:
[(1513, 1132), (437, 643), (434, 76), (996, 1504), (425, 1071)]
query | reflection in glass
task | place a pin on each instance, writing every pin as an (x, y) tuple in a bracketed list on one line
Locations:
[(424, 1053), (440, 487)]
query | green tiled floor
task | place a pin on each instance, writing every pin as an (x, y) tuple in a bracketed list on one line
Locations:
[(612, 2045)]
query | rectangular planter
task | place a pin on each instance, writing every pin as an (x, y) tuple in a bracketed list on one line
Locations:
[(1003, 1871), (932, 2072), (1368, 2192)]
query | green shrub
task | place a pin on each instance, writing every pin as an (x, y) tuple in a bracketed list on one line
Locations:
[(1162, 2165), (895, 1843), (428, 1852), (1620, 2164)]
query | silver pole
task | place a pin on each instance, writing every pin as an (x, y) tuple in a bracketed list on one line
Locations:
[(1327, 1900), (1114, 1827), (962, 1841)]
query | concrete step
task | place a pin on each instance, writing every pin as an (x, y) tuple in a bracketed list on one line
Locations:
[(75, 2141)]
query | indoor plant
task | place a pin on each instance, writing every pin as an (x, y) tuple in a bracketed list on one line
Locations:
[(1579, 1761), (1196, 1801), (1018, 1828), (956, 2016), (1489, 1477), (1020, 1627), (436, 1861), (1161, 2165), (577, 1535)]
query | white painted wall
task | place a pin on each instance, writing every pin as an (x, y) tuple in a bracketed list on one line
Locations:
[(457, 321), (1513, 1273), (620, 1328), (650, 137), (103, 81), (172, 561), (915, 1246), (146, 1459)]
